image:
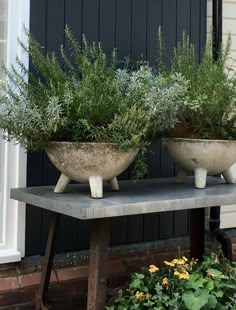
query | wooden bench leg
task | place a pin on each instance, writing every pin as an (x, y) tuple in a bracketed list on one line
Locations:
[(99, 243), (41, 297), (197, 233)]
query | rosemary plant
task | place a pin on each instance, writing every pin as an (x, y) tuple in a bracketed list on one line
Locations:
[(75, 96), (209, 106)]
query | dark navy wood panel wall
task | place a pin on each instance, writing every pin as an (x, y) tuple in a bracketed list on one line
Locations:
[(131, 26)]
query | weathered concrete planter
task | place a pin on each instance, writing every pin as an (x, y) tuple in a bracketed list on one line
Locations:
[(203, 157), (93, 162)]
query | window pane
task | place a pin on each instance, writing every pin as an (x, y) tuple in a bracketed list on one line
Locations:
[(3, 52), (3, 33)]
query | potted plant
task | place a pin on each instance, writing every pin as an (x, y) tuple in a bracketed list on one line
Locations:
[(159, 95), (203, 138), (182, 284), (74, 107)]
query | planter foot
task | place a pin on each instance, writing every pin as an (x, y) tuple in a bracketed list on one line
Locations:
[(62, 184), (96, 186), (230, 175), (181, 176), (114, 184), (200, 177)]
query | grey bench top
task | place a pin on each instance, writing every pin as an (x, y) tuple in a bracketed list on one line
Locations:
[(140, 197)]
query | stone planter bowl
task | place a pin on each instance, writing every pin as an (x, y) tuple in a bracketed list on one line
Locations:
[(89, 162), (203, 157)]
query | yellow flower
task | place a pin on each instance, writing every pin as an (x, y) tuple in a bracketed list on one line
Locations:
[(171, 264), (153, 268), (183, 275), (176, 261), (179, 261), (148, 296), (192, 262), (165, 281), (176, 273), (141, 296)]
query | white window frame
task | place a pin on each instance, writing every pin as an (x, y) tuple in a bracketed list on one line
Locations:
[(12, 248)]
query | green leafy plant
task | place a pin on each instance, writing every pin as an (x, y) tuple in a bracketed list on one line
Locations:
[(209, 105), (182, 284), (74, 96)]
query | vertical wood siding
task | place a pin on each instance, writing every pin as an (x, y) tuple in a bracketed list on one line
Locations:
[(131, 26)]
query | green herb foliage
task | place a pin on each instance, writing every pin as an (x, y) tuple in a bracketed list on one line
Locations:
[(182, 284), (75, 96), (209, 106)]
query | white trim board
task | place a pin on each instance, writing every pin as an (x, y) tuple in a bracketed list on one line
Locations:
[(228, 213), (12, 247), (9, 256), (228, 216)]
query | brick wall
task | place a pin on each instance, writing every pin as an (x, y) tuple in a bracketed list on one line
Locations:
[(68, 284), (69, 279)]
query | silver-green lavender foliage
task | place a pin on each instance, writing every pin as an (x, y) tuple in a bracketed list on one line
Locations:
[(164, 101), (160, 96)]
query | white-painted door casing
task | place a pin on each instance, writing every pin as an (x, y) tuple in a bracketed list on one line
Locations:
[(12, 246)]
